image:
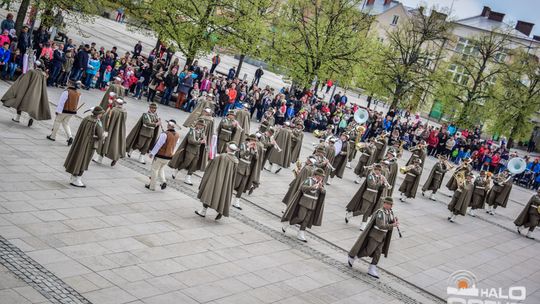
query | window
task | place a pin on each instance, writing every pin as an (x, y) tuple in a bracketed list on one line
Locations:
[(458, 75), (395, 20), (466, 47), (500, 57)]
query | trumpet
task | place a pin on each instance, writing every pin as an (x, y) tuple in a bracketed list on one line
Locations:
[(297, 168), (274, 143), (448, 165), (385, 182), (404, 170), (360, 145)]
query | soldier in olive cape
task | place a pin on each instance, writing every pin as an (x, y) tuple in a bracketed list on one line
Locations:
[(306, 171), (390, 162), (116, 88), (80, 154), (29, 94), (297, 139), (268, 121), (353, 134), (255, 179), (481, 188), (208, 124), (412, 178), (228, 130), (530, 216), (418, 151), (435, 178), (282, 156), (367, 157), (144, 134), (466, 167), (340, 161), (461, 198), (242, 116), (375, 239), (217, 184), (202, 105), (366, 199), (500, 192), (307, 205), (114, 144), (380, 144), (247, 169), (268, 142), (191, 154), (330, 154)]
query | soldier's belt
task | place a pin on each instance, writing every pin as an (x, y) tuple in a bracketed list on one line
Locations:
[(533, 206), (245, 161), (411, 174), (383, 230), (226, 131), (372, 190), (310, 196), (481, 188)]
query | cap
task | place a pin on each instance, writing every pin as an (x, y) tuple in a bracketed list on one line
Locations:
[(252, 137), (120, 101), (153, 105), (271, 130), (231, 112), (332, 139), (208, 110), (377, 166), (112, 94), (97, 110), (38, 63), (388, 200), (320, 149), (117, 78), (312, 159), (417, 160), (319, 172), (232, 146), (200, 122), (258, 134), (210, 95)]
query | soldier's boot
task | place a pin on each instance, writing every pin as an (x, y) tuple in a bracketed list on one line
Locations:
[(236, 204), (99, 160), (348, 216), (492, 211), (349, 165), (285, 227), (328, 181), (452, 218), (72, 178), (363, 226), (301, 236), (471, 212), (187, 180), (519, 229), (350, 260), (268, 167), (129, 153), (141, 159), (488, 209), (78, 182), (372, 271), (357, 181), (202, 212), (529, 235), (175, 173), (432, 196), (17, 118)]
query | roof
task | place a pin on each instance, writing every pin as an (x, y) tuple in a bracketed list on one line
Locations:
[(378, 7), (482, 22)]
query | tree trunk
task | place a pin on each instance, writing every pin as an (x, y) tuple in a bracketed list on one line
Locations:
[(21, 14), (189, 59), (395, 102), (369, 98), (240, 62)]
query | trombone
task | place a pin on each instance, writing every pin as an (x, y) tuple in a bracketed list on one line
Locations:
[(404, 170)]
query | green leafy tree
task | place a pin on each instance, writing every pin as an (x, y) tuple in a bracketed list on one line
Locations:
[(412, 49), (319, 39), (517, 98), (472, 71)]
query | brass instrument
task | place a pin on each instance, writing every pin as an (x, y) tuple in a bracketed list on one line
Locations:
[(385, 182), (460, 178), (297, 168), (360, 145), (538, 209), (404, 170), (448, 165), (360, 129), (317, 133)]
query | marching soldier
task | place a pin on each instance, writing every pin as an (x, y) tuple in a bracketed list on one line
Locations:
[(117, 91), (418, 151), (191, 154), (267, 140), (204, 103), (461, 198), (481, 188), (330, 154), (367, 157), (114, 144), (412, 178), (268, 121), (228, 131), (296, 141), (145, 133), (391, 167), (366, 199), (500, 192), (88, 135), (340, 161), (65, 109), (466, 167), (247, 167), (242, 116), (282, 156), (162, 153), (380, 145), (375, 239), (307, 205), (353, 134), (435, 178), (530, 216), (306, 172), (215, 190)]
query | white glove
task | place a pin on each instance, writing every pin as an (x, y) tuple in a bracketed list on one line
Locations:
[(105, 134)]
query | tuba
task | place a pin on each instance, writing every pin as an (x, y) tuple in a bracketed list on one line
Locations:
[(516, 165), (460, 178), (361, 116)]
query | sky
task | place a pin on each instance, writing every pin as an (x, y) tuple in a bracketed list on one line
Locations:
[(525, 10)]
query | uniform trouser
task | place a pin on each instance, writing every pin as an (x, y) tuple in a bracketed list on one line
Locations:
[(62, 119), (303, 217), (373, 248), (158, 171), (366, 206)]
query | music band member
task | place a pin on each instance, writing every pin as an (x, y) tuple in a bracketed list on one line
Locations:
[(145, 133), (307, 205), (500, 192), (162, 153), (461, 198), (375, 239), (418, 151), (412, 178), (228, 130), (530, 216), (306, 172), (113, 145), (367, 156), (366, 200), (191, 154), (282, 156), (80, 154), (481, 188), (247, 167), (436, 176), (340, 161), (466, 167)]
